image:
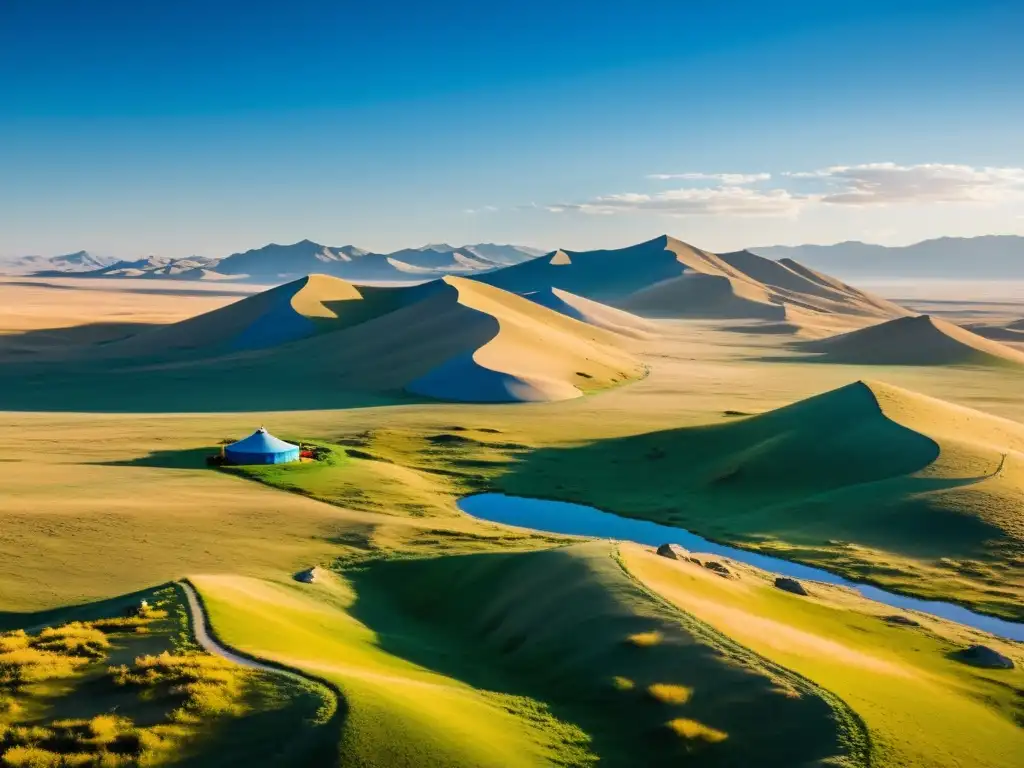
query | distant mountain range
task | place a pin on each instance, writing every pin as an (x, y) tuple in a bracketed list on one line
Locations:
[(80, 261), (988, 257), (279, 263)]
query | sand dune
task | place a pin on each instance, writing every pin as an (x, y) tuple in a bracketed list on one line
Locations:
[(292, 311), (451, 339), (921, 340), (456, 339), (699, 295), (666, 277), (535, 354), (1011, 332)]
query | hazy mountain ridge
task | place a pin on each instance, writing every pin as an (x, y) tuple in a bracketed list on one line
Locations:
[(79, 261), (277, 263), (985, 257)]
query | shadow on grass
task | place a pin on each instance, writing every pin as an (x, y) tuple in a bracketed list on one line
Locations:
[(191, 458), (553, 627), (97, 609)]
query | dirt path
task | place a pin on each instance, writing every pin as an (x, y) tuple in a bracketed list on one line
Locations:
[(206, 640)]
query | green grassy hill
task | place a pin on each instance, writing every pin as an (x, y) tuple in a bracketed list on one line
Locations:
[(869, 480), (554, 657)]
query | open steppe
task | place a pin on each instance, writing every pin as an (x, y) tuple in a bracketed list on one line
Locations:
[(444, 640)]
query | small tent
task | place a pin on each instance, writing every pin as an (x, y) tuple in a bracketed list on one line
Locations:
[(261, 447)]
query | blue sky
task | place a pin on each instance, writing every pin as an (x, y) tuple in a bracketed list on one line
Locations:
[(177, 128)]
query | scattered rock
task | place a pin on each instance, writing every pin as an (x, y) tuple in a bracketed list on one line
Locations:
[(983, 656), (717, 567), (673, 552), (447, 439), (787, 584), (308, 576), (904, 621), (695, 559)]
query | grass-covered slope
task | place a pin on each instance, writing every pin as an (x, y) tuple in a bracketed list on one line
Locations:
[(121, 683), (924, 708), (870, 480), (921, 340), (551, 657)]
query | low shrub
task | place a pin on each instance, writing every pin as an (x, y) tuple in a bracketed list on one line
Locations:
[(207, 685), (74, 639), (8, 706), (32, 665), (13, 641), (32, 757)]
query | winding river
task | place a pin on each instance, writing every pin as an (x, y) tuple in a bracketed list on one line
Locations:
[(579, 520)]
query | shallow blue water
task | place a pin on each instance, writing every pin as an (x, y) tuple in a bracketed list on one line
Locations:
[(580, 520)]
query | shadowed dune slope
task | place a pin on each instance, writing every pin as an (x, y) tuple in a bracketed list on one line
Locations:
[(1012, 332), (921, 340), (666, 277), (592, 312), (536, 354), (882, 467), (286, 313), (699, 295)]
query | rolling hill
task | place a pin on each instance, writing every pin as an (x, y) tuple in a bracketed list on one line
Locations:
[(870, 480), (665, 277), (413, 702), (921, 340)]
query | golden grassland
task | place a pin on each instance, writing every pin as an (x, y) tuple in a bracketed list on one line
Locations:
[(129, 689), (467, 642)]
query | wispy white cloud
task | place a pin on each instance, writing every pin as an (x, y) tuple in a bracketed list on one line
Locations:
[(868, 184), (715, 201), (728, 179), (889, 183), (483, 209)]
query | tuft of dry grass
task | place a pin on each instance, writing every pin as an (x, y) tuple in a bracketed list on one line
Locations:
[(668, 693), (31, 665), (645, 639), (8, 706), (207, 685), (691, 730), (14, 641), (74, 639), (620, 683)]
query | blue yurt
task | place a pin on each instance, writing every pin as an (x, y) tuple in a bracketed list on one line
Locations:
[(261, 447)]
